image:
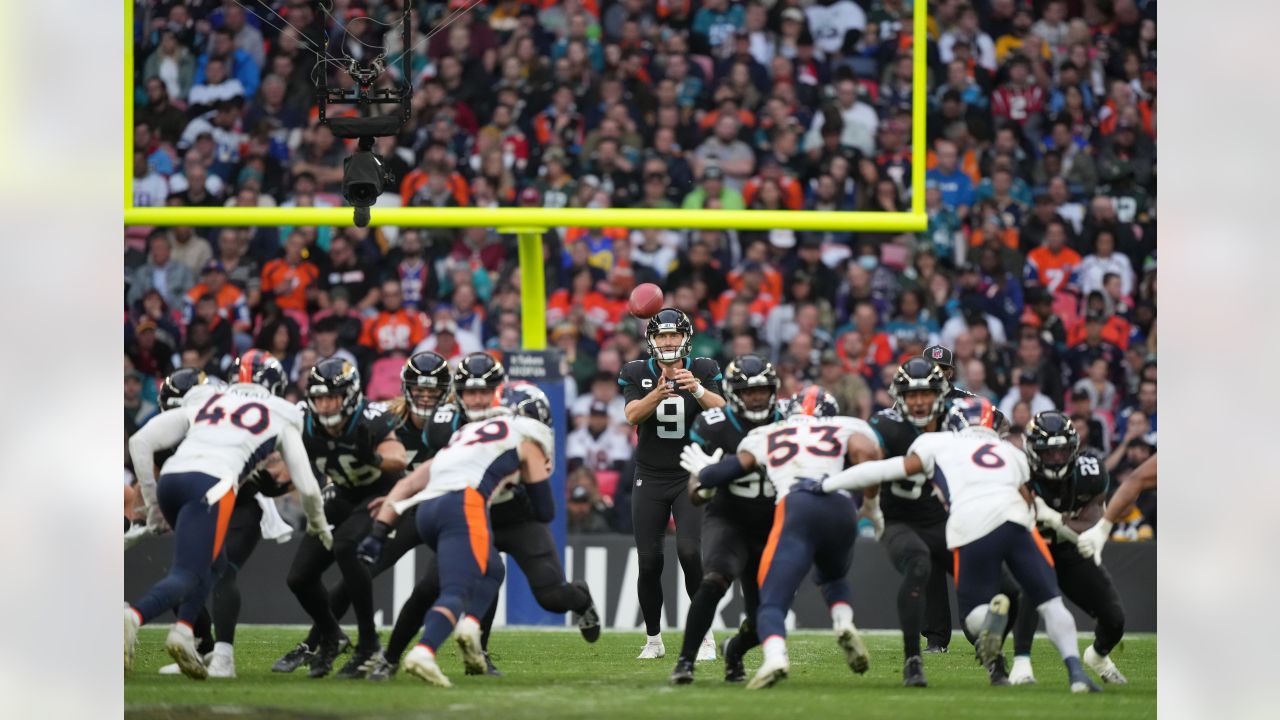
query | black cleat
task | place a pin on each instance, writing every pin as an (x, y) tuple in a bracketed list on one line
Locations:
[(734, 672), (379, 669), (294, 658), (683, 674), (935, 649), (322, 660), (489, 668), (913, 673), (356, 668), (589, 620), (997, 672)]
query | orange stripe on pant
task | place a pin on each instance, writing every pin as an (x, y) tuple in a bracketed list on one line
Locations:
[(477, 527), (1044, 547), (225, 506), (767, 558), (955, 566)]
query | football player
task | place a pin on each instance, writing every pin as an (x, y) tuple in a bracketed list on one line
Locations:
[(1071, 490), (225, 437), (810, 528), (664, 395), (738, 518), (1142, 478), (991, 522), (942, 356), (512, 446), (354, 443), (518, 530), (914, 519)]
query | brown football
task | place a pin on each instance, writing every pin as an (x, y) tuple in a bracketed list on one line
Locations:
[(646, 301)]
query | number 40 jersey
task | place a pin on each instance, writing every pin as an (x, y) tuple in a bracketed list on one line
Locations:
[(803, 446), (662, 436)]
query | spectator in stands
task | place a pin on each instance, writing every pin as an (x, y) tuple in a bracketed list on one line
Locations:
[(160, 273)]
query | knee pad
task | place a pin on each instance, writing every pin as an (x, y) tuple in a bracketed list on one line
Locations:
[(916, 568), (716, 582), (650, 563)]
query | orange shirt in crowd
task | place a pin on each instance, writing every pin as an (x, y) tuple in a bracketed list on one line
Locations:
[(1115, 331), (417, 178), (968, 164), (398, 331), (289, 283), (1055, 272), (772, 281)]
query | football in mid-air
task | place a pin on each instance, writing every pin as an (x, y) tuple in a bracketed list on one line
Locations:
[(646, 301)]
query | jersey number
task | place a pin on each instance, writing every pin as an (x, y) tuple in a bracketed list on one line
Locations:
[(781, 450), (1088, 465), (671, 411), (906, 489), (353, 471), (985, 457), (489, 432), (212, 414)]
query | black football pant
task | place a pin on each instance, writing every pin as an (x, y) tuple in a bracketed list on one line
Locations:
[(653, 502), (1087, 585), (350, 515), (242, 537)]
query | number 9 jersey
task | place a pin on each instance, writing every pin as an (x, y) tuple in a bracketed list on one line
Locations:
[(662, 436), (803, 446)]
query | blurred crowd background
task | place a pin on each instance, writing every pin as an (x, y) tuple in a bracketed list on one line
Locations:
[(1038, 267)]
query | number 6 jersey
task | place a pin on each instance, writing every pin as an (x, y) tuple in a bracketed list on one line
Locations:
[(803, 446), (662, 435)]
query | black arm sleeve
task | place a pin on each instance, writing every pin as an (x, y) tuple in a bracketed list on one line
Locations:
[(544, 506), (722, 473)]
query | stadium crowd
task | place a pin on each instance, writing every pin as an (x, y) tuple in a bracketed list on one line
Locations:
[(1038, 268)]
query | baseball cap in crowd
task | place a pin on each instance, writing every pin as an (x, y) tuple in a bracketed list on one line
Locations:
[(579, 494), (940, 354), (795, 14), (1079, 394), (144, 325), (555, 153), (1029, 377), (829, 357), (1039, 296), (1095, 317), (214, 266), (598, 408), (592, 180), (751, 266), (448, 326), (530, 196), (712, 172), (782, 238), (811, 240)]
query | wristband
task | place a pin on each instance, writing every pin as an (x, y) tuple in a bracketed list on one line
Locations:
[(380, 530), (697, 394)]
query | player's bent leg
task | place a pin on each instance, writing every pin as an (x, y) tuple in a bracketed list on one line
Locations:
[(786, 560), (1089, 586), (409, 621), (910, 555), (834, 533), (977, 571), (304, 580)]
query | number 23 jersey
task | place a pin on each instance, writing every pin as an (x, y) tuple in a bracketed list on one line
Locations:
[(803, 447), (662, 435), (979, 475)]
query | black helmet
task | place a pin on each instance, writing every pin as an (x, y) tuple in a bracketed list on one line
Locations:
[(334, 376), (970, 412), (176, 386), (479, 371), (813, 401), (527, 399), (919, 374), (259, 367), (425, 370), (1051, 443), (669, 320), (748, 371)]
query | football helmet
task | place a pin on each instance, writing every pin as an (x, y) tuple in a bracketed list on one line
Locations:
[(669, 320), (426, 371), (1051, 443), (334, 376), (527, 399), (480, 371), (176, 386), (919, 374), (813, 401), (260, 367), (970, 412), (750, 371)]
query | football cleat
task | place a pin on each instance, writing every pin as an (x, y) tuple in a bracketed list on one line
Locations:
[(170, 669), (707, 650), (379, 668), (221, 664), (321, 663), (421, 662), (769, 673), (181, 646), (734, 672), (683, 674), (932, 649), (990, 642), (1021, 673), (294, 659), (131, 626), (589, 620), (467, 635), (913, 673), (997, 672), (354, 669), (1103, 665), (653, 649), (855, 651), (1081, 682)]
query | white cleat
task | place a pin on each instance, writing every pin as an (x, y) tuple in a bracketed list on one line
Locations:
[(131, 625), (421, 663), (467, 634), (222, 664), (654, 649), (170, 669), (1104, 667), (707, 651), (770, 672), (990, 641), (181, 645), (1021, 673), (855, 651)]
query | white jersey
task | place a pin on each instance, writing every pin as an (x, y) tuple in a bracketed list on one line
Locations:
[(979, 475), (801, 446), (598, 453), (483, 455)]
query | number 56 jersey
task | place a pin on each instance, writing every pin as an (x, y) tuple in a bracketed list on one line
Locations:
[(662, 435), (979, 475), (802, 446)]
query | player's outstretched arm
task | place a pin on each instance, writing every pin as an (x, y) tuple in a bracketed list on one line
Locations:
[(712, 474), (164, 431), (295, 459), (869, 474), (408, 486), (1142, 478)]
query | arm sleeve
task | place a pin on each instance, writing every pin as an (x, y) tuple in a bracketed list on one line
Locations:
[(544, 506), (164, 431), (630, 390), (295, 457), (865, 475), (722, 473)]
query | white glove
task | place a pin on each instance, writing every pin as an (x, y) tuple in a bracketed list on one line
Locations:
[(694, 459), (1091, 540), (1047, 515), (322, 532), (135, 535), (871, 511), (155, 521)]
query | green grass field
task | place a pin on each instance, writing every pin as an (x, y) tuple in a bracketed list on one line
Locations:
[(556, 675)]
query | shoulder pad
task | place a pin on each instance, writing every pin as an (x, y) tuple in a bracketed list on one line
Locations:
[(887, 415), (287, 411), (530, 429), (198, 395)]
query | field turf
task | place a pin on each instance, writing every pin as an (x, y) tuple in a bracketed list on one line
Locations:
[(552, 674)]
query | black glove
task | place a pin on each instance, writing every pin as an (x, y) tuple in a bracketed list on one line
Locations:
[(266, 484), (328, 492), (370, 548), (808, 485)]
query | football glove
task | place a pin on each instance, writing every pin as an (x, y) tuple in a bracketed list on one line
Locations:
[(1092, 540), (694, 459), (871, 511), (808, 485), (323, 534), (369, 550), (1047, 515)]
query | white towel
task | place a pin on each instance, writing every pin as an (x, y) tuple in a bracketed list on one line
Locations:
[(273, 526)]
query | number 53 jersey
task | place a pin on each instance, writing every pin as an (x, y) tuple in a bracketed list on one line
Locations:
[(978, 475), (662, 435), (802, 446)]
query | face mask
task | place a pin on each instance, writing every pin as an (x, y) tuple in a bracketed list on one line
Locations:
[(868, 262)]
